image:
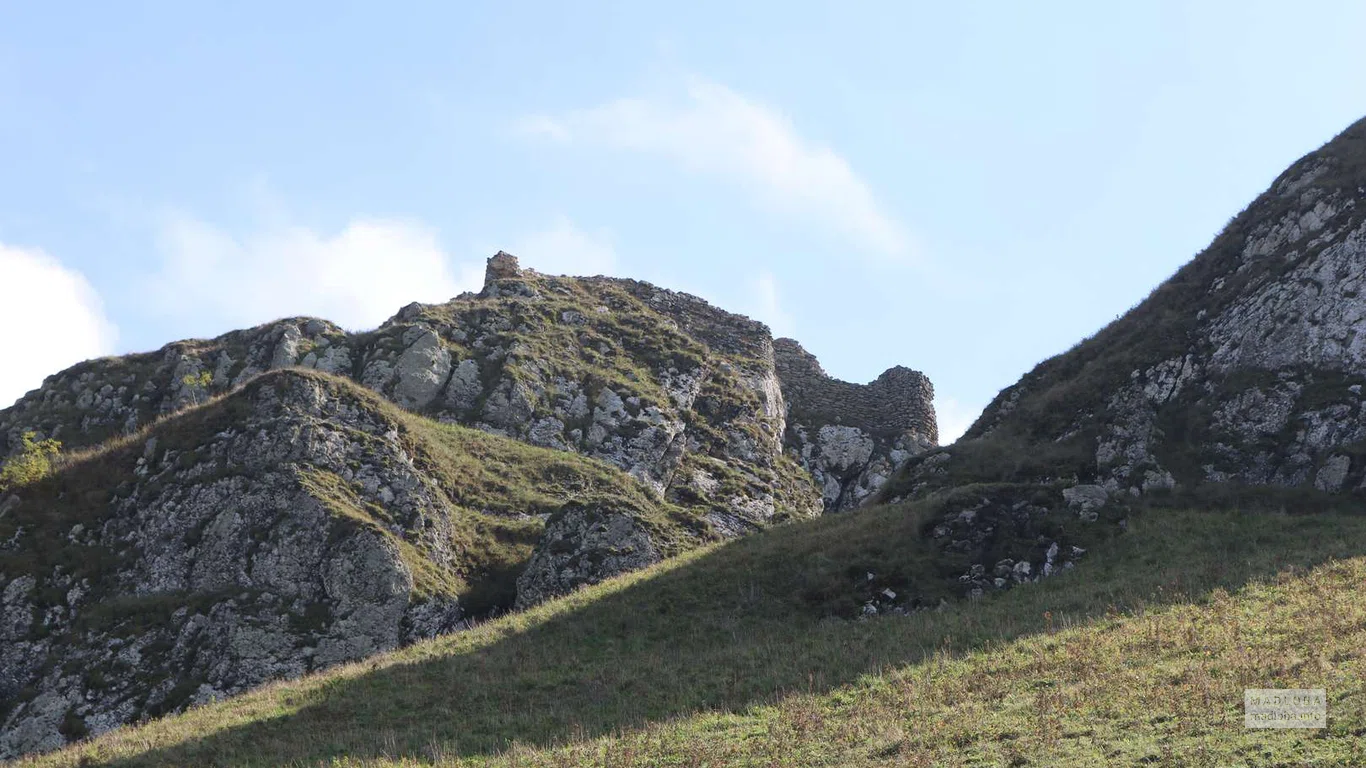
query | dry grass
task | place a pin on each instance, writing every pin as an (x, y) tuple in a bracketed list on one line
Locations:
[(1138, 657)]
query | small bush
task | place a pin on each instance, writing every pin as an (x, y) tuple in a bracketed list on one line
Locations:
[(33, 462)]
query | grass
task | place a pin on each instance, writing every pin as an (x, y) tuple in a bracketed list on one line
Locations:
[(729, 656), (1046, 416), (498, 493), (626, 348)]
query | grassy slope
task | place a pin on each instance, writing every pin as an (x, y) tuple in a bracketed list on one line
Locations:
[(721, 657), (497, 487), (1045, 433)]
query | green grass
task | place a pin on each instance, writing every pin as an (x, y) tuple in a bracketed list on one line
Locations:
[(729, 656), (498, 492), (625, 349), (1063, 393)]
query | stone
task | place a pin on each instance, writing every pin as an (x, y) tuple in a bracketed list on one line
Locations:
[(581, 546), (465, 387), (1085, 498), (1333, 474), (421, 371)]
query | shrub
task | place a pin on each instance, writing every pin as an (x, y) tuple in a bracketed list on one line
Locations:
[(33, 462), (202, 380)]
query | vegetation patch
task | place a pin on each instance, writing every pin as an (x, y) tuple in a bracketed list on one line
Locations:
[(1138, 655)]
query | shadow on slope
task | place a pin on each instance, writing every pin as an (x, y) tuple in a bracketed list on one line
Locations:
[(725, 629)]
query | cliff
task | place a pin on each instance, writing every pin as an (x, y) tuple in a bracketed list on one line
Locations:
[(285, 498), (1244, 369)]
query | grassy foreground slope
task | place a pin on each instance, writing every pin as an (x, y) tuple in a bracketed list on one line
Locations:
[(1139, 656)]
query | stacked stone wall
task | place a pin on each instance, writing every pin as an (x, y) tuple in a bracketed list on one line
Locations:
[(900, 400)]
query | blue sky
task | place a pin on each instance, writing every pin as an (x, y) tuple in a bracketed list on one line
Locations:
[(963, 188)]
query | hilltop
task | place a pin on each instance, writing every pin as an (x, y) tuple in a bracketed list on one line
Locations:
[(286, 498), (1142, 527)]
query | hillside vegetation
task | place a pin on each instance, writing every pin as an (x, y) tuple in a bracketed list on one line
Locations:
[(1228, 370), (736, 655), (499, 490)]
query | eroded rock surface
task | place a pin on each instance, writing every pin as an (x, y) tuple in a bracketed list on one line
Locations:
[(231, 565), (222, 562), (1247, 366), (584, 546)]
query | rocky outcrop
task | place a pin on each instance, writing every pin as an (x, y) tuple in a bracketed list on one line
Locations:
[(584, 546), (1247, 366), (658, 383), (264, 526), (852, 437), (241, 545), (299, 529), (701, 405)]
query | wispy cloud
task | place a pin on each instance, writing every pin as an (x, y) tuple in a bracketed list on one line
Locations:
[(211, 280), (718, 132), (768, 306), (954, 417), (50, 318), (564, 249)]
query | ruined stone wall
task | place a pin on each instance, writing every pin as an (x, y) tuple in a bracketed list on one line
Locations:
[(900, 400), (722, 331)]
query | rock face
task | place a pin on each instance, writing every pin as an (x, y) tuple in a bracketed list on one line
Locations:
[(584, 546), (236, 549), (689, 399), (284, 523), (1246, 367), (853, 437)]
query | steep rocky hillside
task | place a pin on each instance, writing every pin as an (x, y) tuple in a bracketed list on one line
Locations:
[(1247, 365), (1246, 368), (294, 524), (282, 499), (683, 396), (730, 656)]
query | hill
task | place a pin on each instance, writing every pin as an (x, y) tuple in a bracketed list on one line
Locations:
[(286, 498), (1198, 460), (1246, 366), (296, 523), (737, 655)]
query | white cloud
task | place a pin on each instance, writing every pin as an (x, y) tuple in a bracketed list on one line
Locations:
[(358, 277), (768, 306), (718, 132), (50, 318), (954, 417), (564, 249)]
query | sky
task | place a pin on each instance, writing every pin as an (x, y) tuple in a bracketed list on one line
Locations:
[(963, 188)]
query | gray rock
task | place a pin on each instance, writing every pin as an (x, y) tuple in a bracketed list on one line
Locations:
[(465, 387), (422, 370), (584, 546), (1333, 474), (241, 531), (1085, 498)]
